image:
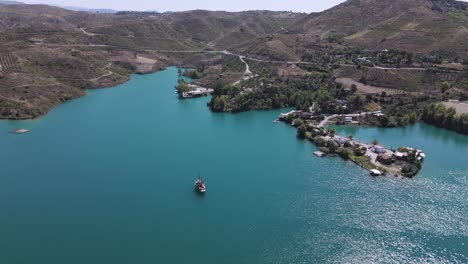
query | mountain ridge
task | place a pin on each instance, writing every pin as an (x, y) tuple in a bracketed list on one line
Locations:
[(69, 50)]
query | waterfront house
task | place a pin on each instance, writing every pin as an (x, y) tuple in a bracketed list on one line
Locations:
[(348, 119), (340, 140), (378, 149), (385, 158), (400, 155), (306, 115)]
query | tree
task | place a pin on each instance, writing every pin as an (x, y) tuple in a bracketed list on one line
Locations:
[(375, 142), (444, 86), (298, 122), (218, 103), (353, 88), (323, 100), (289, 118), (331, 146), (193, 74), (356, 100), (306, 107), (301, 132), (358, 151), (182, 87), (344, 153), (409, 170), (319, 141), (438, 115)]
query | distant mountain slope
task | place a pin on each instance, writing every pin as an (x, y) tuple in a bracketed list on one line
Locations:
[(5, 2), (34, 18), (420, 26), (356, 15), (91, 10), (431, 26)]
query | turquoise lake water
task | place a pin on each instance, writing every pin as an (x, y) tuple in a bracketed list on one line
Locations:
[(108, 178)]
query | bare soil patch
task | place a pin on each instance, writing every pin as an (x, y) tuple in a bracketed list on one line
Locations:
[(460, 107), (367, 89)]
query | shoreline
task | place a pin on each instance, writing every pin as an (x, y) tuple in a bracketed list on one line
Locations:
[(85, 91)]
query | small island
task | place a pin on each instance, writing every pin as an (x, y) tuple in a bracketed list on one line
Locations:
[(377, 159)]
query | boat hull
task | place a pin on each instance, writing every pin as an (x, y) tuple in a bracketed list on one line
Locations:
[(200, 186)]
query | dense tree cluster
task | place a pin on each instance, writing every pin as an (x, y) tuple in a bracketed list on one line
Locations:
[(193, 74), (439, 115), (395, 57), (267, 92), (182, 87)]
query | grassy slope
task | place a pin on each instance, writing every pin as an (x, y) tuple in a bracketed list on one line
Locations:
[(420, 29), (420, 26), (49, 55)]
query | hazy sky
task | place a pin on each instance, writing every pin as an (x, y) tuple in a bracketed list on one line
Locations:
[(179, 5)]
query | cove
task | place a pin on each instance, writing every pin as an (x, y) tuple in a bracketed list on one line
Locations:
[(108, 178)]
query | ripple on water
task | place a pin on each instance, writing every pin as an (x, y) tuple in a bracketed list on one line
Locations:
[(350, 217)]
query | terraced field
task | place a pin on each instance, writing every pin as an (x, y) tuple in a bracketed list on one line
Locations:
[(8, 63)]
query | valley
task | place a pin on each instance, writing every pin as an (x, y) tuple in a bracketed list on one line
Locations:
[(403, 49)]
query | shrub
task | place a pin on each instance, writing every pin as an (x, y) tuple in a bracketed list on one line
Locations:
[(301, 132), (409, 170), (320, 142), (358, 151), (344, 153)]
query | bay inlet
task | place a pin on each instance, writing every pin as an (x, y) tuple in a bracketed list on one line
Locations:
[(108, 178)]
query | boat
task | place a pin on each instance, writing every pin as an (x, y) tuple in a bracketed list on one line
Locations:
[(375, 172), (19, 131), (200, 185)]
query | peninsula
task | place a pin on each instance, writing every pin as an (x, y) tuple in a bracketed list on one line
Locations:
[(377, 159)]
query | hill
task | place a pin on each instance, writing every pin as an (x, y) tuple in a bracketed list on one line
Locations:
[(91, 10), (419, 26), (49, 54), (4, 2)]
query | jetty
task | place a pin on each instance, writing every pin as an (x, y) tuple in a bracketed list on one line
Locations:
[(197, 91), (282, 116), (319, 154)]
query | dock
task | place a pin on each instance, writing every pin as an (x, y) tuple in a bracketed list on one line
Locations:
[(319, 154), (282, 116), (197, 92)]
